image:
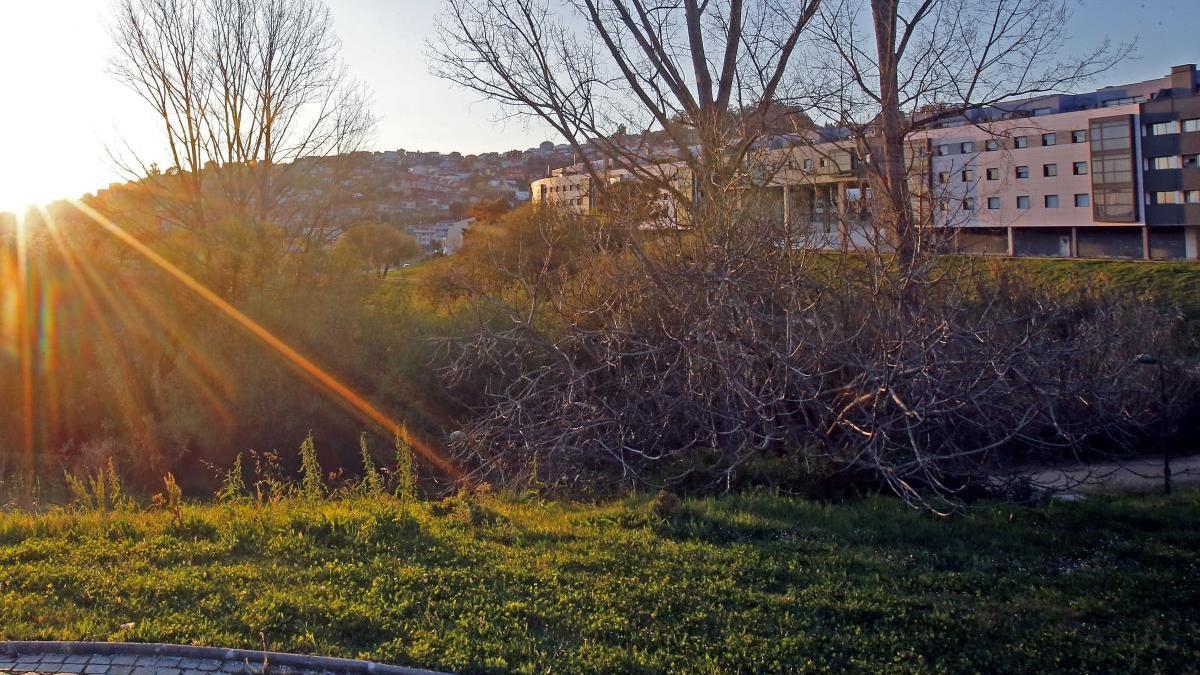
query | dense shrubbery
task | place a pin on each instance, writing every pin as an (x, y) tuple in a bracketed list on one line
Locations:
[(579, 355), (697, 358)]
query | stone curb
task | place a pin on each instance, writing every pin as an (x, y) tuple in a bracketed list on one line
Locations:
[(282, 659)]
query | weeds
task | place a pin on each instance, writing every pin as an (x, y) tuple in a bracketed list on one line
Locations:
[(99, 492), (170, 499), (405, 476), (312, 482), (233, 485), (371, 483)]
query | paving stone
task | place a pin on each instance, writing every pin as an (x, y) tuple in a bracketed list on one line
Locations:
[(124, 659), (77, 658), (69, 668), (120, 670), (96, 668)]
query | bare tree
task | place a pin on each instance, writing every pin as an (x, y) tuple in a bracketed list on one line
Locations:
[(888, 70), (692, 80), (245, 91)]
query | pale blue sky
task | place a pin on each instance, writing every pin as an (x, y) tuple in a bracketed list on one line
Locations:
[(59, 110)]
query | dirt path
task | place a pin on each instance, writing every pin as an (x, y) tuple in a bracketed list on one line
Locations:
[(1128, 477)]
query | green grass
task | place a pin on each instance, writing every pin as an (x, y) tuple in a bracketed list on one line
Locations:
[(755, 583), (1177, 283)]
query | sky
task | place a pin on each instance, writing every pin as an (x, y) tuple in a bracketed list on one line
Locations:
[(62, 114)]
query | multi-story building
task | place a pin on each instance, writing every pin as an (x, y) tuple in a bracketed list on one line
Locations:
[(1109, 173), (446, 236)]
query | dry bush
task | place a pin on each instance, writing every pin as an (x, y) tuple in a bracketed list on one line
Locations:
[(693, 357)]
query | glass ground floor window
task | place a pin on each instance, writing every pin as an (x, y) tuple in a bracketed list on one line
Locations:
[(1109, 242), (1167, 243)]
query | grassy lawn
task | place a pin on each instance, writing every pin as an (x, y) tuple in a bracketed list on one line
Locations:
[(755, 583), (1177, 283)]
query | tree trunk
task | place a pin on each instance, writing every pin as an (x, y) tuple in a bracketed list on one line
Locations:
[(891, 171)]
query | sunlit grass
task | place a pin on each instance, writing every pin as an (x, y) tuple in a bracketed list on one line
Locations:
[(754, 583)]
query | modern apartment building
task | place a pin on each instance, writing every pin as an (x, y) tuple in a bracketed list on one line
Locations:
[(1109, 173)]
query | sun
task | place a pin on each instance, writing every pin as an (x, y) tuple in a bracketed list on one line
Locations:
[(16, 207), (18, 192), (15, 196)]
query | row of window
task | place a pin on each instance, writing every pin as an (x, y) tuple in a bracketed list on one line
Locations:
[(1173, 197), (993, 144), (1173, 127), (807, 163), (1023, 202), (1173, 162), (1048, 171)]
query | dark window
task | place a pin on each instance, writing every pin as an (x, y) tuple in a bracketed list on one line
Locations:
[(1191, 161), (1022, 172), (1190, 125), (1079, 136), (1082, 200), (1051, 201), (993, 203), (1079, 168), (968, 175), (943, 177), (991, 145), (1041, 241), (943, 150), (1049, 170), (1022, 202), (969, 146), (1021, 142), (1166, 243), (1049, 139), (993, 174), (1110, 242), (968, 203)]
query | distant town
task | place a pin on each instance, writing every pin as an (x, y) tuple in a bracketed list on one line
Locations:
[(427, 194)]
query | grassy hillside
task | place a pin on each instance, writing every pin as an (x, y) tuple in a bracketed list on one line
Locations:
[(1177, 283), (755, 583)]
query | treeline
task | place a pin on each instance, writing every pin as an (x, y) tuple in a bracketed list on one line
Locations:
[(109, 357)]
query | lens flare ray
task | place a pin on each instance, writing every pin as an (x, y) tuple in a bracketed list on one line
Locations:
[(344, 394)]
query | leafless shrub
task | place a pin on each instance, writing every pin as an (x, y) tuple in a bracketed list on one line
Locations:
[(691, 367)]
